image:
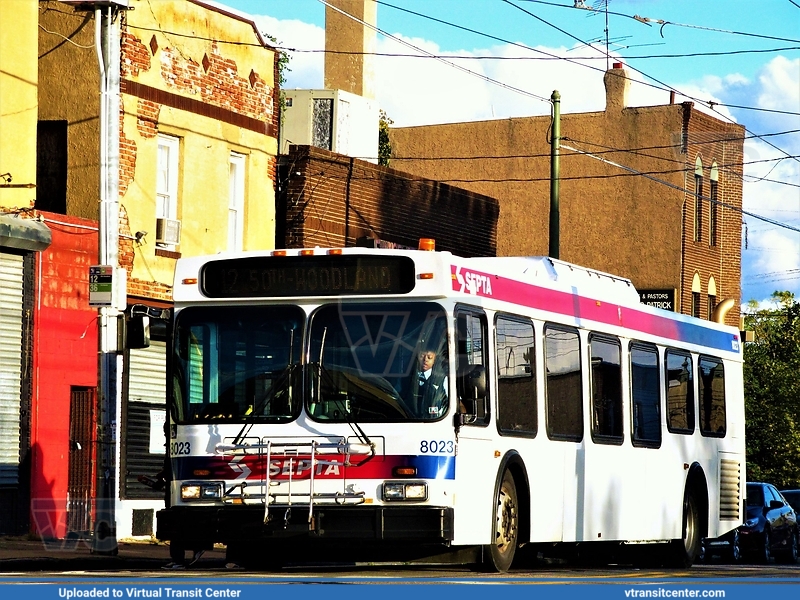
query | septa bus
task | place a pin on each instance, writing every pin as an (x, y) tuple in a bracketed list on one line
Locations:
[(567, 414)]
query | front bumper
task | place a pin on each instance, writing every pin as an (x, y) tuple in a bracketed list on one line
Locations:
[(205, 525)]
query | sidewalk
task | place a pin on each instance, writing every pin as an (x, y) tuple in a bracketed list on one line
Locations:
[(23, 554)]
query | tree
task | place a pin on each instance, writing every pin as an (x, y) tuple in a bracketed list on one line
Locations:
[(772, 393), (384, 145)]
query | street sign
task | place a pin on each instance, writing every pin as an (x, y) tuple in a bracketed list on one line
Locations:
[(659, 298), (101, 285)]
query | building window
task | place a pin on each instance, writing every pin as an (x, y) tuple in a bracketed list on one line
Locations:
[(712, 304), (167, 189), (51, 166), (713, 208), (698, 204), (696, 304), (236, 203)]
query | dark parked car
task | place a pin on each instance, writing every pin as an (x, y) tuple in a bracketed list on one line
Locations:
[(770, 529)]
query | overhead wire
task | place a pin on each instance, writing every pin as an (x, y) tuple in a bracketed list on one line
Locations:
[(711, 104), (432, 55)]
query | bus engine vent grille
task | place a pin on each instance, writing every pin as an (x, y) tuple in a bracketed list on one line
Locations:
[(730, 490)]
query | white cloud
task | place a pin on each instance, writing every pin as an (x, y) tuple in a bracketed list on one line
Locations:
[(306, 67), (779, 85)]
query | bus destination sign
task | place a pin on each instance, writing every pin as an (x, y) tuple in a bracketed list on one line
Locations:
[(328, 275)]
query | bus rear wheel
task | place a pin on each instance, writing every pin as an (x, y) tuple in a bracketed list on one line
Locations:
[(683, 552), (499, 555)]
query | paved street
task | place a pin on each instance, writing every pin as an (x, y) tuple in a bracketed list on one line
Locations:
[(22, 554)]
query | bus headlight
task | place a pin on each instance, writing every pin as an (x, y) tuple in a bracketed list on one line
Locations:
[(201, 491), (394, 491)]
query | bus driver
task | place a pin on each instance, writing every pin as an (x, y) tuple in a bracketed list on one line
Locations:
[(431, 386)]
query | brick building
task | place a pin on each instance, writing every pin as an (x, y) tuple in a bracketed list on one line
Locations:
[(669, 219), (198, 121), (332, 200)]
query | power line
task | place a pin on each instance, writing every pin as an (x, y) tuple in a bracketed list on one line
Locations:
[(664, 23), (710, 104), (447, 62), (668, 184), (524, 58)]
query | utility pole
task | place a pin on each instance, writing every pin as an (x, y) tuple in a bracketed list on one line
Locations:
[(555, 225), (107, 17)]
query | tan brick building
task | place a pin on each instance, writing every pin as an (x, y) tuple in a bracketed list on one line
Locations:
[(650, 193), (198, 133)]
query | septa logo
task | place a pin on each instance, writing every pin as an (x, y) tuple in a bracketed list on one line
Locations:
[(469, 282)]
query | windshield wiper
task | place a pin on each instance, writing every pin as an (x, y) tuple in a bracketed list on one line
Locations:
[(354, 426), (282, 384)]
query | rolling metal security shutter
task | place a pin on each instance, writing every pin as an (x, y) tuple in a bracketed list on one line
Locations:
[(10, 366), (147, 391)]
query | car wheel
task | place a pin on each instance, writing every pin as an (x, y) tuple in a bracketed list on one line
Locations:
[(499, 555), (789, 556), (734, 551), (703, 555), (765, 552)]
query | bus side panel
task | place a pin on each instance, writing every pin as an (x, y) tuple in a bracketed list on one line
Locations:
[(544, 461), (476, 473)]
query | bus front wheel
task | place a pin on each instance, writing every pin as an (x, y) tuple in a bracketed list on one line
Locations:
[(499, 555)]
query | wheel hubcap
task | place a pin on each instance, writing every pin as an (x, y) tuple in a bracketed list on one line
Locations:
[(506, 529)]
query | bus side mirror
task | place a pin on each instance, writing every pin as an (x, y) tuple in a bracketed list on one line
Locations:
[(138, 332)]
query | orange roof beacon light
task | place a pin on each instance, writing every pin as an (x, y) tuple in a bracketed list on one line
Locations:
[(279, 253), (335, 251), (189, 281), (427, 244), (306, 253)]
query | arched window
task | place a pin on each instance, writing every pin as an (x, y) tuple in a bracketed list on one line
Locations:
[(713, 206), (698, 205), (712, 297), (696, 295)]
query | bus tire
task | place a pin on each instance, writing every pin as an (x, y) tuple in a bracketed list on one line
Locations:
[(499, 555), (684, 551), (177, 552)]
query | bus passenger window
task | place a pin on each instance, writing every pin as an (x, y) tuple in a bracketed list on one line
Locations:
[(516, 377), (606, 381), (712, 397), (562, 356), (680, 392), (645, 398)]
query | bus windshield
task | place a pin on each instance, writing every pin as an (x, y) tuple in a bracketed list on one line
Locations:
[(237, 362), (377, 362), (367, 362)]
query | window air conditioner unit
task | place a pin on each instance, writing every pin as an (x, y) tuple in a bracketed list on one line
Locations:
[(168, 231)]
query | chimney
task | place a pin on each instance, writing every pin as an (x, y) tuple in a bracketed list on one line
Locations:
[(617, 86), (350, 46)]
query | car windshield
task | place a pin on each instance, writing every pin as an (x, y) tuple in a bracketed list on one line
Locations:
[(366, 364)]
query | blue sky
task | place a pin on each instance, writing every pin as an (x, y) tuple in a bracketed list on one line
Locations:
[(753, 77)]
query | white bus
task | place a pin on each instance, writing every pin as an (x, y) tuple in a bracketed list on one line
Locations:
[(561, 413)]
